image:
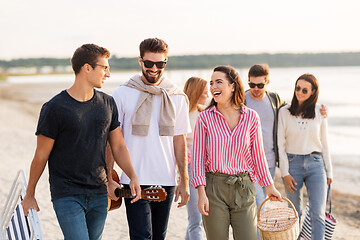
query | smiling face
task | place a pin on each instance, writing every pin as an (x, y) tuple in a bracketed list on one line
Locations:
[(99, 73), (303, 90), (204, 96), (221, 89), (256, 92), (151, 76)]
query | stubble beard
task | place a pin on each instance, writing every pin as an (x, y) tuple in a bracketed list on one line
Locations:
[(257, 95)]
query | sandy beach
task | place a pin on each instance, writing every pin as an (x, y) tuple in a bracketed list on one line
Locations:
[(20, 106)]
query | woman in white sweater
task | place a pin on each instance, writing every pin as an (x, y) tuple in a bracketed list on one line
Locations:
[(304, 153), (197, 91)]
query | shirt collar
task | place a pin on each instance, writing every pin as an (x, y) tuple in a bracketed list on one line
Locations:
[(215, 110)]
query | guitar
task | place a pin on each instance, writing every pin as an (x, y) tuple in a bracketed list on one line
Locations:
[(151, 194)]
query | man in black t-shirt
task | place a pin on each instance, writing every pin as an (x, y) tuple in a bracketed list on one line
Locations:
[(72, 133)]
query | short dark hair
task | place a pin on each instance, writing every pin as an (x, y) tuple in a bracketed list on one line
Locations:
[(87, 53), (233, 77), (307, 109), (154, 45), (259, 70)]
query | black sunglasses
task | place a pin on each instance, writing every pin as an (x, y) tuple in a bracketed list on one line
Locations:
[(259, 85), (150, 64), (304, 90)]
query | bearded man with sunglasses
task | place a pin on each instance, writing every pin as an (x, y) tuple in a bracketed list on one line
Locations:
[(153, 114)]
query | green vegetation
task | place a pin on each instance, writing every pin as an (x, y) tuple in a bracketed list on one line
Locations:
[(209, 61), (274, 60), (34, 62)]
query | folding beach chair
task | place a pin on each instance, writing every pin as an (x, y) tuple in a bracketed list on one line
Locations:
[(14, 223)]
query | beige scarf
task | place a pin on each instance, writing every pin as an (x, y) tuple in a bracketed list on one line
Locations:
[(143, 110)]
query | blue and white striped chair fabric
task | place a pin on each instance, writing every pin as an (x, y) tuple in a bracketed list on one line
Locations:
[(14, 224), (19, 225)]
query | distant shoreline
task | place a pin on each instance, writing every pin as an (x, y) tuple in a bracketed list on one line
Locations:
[(5, 76), (204, 61)]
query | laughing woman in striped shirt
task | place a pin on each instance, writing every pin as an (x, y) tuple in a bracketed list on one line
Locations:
[(228, 156)]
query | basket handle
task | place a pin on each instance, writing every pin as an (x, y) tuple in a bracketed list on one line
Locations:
[(284, 198)]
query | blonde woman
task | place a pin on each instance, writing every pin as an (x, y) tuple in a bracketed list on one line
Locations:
[(197, 91)]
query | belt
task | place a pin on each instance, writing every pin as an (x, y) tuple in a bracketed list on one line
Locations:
[(240, 184), (232, 179)]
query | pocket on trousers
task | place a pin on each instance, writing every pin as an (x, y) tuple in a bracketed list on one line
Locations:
[(290, 156), (209, 187), (251, 190), (246, 195), (316, 157)]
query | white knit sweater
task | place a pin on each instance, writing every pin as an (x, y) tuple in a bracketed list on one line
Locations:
[(301, 136)]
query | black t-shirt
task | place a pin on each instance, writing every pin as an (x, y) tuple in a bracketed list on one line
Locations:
[(80, 130)]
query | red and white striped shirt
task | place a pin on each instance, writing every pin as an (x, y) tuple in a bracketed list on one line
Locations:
[(218, 149)]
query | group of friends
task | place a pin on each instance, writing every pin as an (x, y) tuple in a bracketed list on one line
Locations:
[(160, 135)]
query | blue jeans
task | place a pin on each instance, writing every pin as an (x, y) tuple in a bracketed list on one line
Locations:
[(82, 216), (261, 194), (195, 229), (309, 169), (148, 220)]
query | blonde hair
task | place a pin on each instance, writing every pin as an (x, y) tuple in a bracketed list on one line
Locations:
[(194, 88)]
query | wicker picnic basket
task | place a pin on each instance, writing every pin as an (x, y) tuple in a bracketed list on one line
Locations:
[(278, 223)]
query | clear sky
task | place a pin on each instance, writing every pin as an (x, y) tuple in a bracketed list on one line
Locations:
[(48, 28)]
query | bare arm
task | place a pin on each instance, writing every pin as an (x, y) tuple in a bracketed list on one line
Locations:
[(180, 150), (122, 158), (41, 156), (109, 160), (112, 185)]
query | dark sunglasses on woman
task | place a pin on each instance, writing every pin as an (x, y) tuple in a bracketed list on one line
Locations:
[(304, 90)]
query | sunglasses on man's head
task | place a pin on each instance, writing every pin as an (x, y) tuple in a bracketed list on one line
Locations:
[(259, 85), (304, 90), (150, 64)]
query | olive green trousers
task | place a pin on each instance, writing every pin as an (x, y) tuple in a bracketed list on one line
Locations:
[(231, 203)]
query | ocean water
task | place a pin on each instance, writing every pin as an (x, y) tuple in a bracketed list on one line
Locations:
[(339, 91)]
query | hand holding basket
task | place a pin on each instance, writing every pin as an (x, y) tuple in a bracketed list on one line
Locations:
[(278, 223)]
